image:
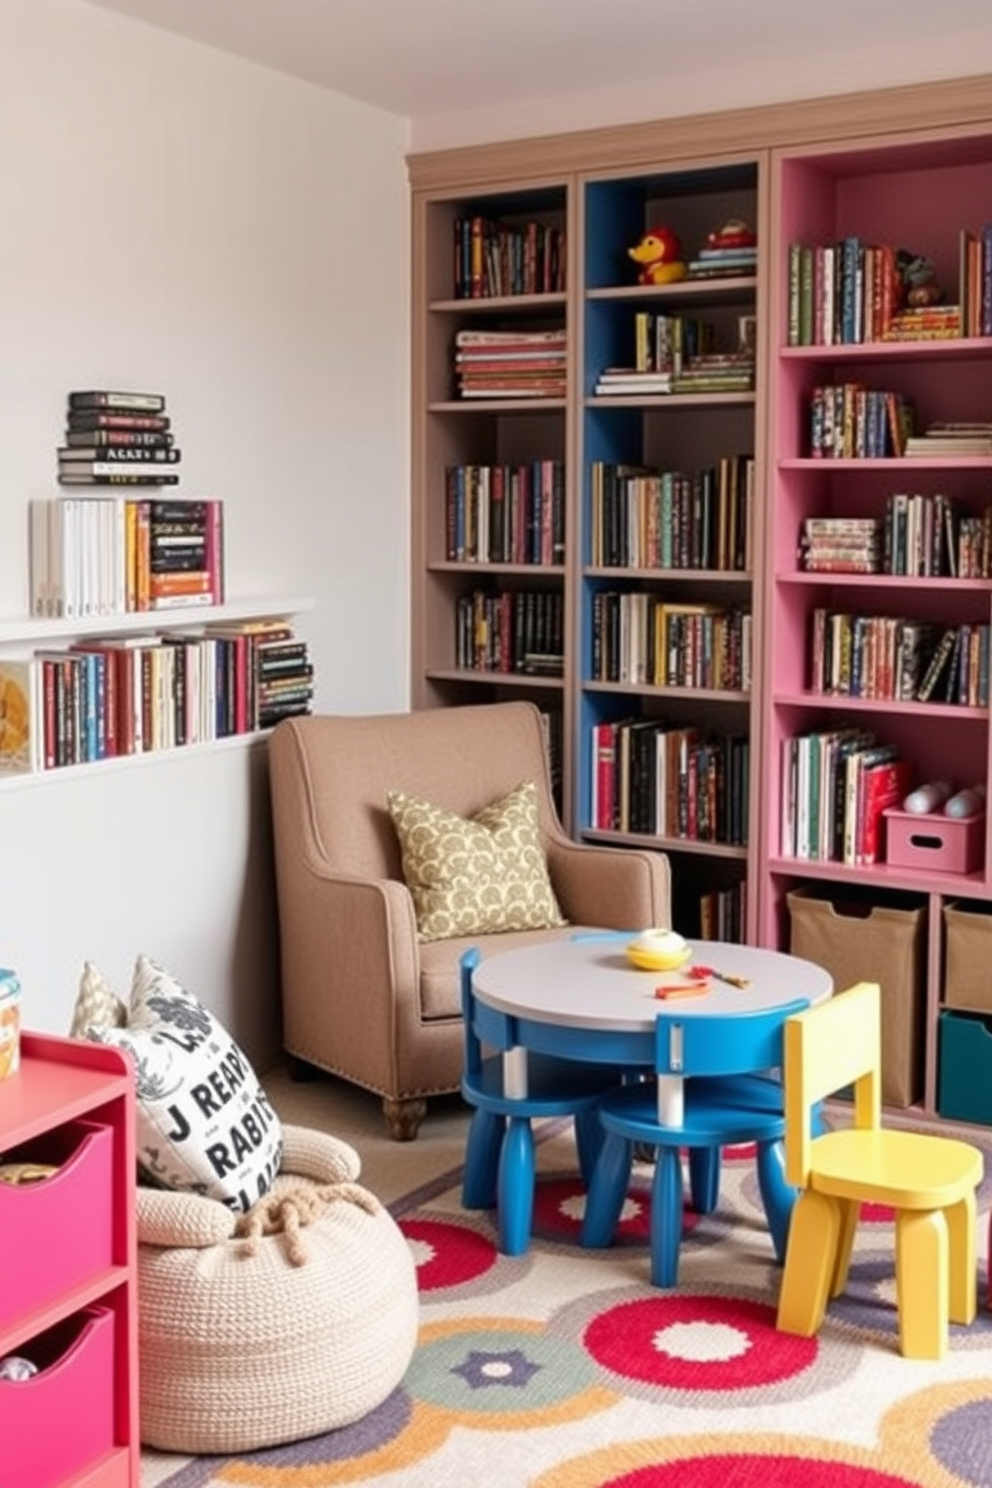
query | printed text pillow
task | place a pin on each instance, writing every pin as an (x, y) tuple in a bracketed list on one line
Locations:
[(204, 1124), (475, 876)]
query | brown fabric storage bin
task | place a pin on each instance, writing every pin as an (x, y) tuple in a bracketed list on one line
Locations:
[(873, 939), (968, 965)]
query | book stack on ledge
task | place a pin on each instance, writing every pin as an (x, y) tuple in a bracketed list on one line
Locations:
[(106, 697), (114, 554), (511, 364), (115, 439), (952, 438)]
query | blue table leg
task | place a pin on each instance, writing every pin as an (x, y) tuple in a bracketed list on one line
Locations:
[(778, 1196), (515, 1205), (704, 1178), (666, 1217), (607, 1191), (588, 1141), (482, 1150)]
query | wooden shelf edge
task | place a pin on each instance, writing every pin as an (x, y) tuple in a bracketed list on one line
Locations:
[(42, 630)]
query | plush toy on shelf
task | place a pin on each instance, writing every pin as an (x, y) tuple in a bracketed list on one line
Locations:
[(659, 256)]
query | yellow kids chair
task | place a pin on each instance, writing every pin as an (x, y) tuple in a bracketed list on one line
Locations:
[(929, 1180)]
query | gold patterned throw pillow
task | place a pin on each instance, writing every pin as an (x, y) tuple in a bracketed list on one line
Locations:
[(475, 876)]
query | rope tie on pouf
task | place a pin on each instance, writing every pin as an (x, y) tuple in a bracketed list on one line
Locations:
[(294, 1208)]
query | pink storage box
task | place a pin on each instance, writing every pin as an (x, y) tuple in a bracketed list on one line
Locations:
[(934, 843), (61, 1420), (57, 1233)]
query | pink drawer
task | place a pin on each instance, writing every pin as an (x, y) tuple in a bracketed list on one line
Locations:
[(61, 1420), (934, 842), (58, 1232)]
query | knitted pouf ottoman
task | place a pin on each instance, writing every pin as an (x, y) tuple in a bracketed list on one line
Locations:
[(287, 1322)]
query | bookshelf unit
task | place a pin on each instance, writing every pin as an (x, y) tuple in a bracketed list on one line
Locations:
[(917, 191), (70, 1308), (676, 538), (909, 165), (484, 609)]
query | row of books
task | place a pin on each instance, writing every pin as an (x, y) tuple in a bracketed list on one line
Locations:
[(640, 639), (118, 695), (515, 631), (852, 292), (113, 555), (505, 513), (668, 781), (118, 438), (836, 785), (511, 364), (498, 258), (644, 518), (922, 536), (706, 372), (848, 421), (886, 658), (723, 913)]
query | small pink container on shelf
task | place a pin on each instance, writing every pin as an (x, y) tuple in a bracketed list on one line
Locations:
[(934, 842)]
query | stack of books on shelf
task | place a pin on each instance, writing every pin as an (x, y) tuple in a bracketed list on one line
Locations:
[(725, 256), (716, 372), (669, 781), (924, 323), (505, 513), (837, 783), (109, 696), (895, 659), (511, 364), (494, 258), (628, 382), (521, 631), (949, 437), (115, 554), (681, 354), (848, 421), (841, 545), (115, 439)]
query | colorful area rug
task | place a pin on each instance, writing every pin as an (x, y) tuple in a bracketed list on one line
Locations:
[(564, 1368)]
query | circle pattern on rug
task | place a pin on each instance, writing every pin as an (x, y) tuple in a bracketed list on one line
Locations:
[(515, 1370), (559, 1206), (446, 1254), (742, 1468), (692, 1342), (961, 1441)]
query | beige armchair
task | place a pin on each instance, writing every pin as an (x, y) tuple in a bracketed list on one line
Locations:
[(361, 997)]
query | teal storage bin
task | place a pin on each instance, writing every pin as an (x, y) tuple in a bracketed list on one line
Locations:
[(964, 1086)]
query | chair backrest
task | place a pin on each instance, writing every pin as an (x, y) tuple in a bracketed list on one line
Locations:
[(329, 776), (828, 1048), (720, 1045)]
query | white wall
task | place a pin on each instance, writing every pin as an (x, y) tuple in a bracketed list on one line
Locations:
[(179, 221)]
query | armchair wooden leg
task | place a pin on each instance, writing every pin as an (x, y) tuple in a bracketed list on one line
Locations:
[(403, 1117)]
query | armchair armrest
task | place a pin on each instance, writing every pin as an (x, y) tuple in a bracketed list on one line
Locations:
[(617, 888)]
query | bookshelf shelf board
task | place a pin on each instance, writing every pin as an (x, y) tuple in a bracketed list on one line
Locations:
[(883, 875), (665, 844), (527, 570), (98, 769), (949, 348), (39, 631), (500, 679), (647, 689), (902, 582), (498, 304), (669, 575), (669, 402), (498, 405), (887, 706), (697, 292), (903, 463)]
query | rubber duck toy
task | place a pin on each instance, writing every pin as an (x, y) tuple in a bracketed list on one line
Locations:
[(659, 256)]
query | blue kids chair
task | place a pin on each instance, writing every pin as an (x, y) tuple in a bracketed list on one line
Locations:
[(721, 1106), (499, 1154)]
